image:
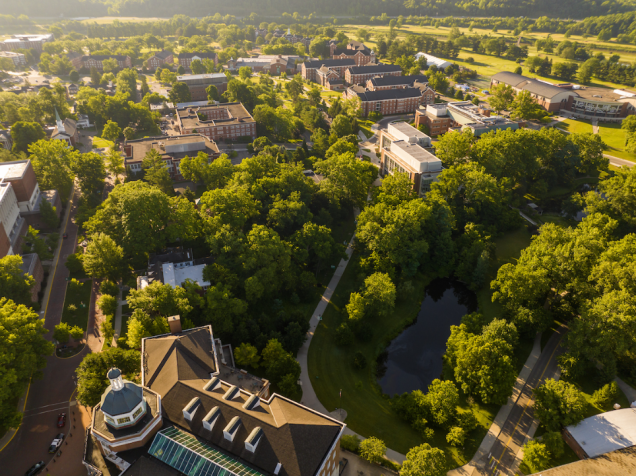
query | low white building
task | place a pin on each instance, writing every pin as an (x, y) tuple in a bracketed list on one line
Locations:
[(603, 433), (433, 60)]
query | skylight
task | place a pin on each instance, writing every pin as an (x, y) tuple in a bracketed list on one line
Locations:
[(185, 453)]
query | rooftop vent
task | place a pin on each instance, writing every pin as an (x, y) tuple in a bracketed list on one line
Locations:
[(210, 419), (278, 467), (230, 430), (252, 403), (212, 385), (191, 408), (232, 393), (252, 441)]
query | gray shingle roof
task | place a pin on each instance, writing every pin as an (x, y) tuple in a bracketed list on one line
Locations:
[(121, 401), (389, 94), (376, 68), (329, 62), (511, 79), (531, 85), (398, 80)]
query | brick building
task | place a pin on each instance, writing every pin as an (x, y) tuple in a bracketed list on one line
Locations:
[(222, 121), (388, 102), (339, 66), (75, 59), (360, 74), (196, 413), (584, 102), (198, 82), (88, 62), (160, 58), (354, 50), (405, 149), (171, 148), (32, 265), (381, 83), (184, 59), (272, 64), (26, 42), (440, 118)]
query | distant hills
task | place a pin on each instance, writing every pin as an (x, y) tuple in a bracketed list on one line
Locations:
[(343, 8)]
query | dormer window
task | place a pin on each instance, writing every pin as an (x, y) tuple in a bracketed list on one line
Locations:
[(191, 408), (232, 393), (232, 428), (212, 385), (210, 419), (252, 441), (252, 403)]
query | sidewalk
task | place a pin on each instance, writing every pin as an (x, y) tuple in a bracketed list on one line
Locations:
[(309, 396), (481, 456), (628, 390)]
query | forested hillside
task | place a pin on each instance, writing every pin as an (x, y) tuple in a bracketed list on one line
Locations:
[(530, 8)]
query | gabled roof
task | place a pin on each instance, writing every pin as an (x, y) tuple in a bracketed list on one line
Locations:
[(534, 86), (398, 80), (200, 55), (178, 357), (351, 52), (162, 54), (329, 63), (103, 57), (295, 436), (388, 94), (511, 79), (376, 68)]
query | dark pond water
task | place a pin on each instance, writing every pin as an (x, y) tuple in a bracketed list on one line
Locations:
[(414, 358)]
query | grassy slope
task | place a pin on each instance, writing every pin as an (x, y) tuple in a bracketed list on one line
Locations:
[(614, 137), (368, 410), (77, 296)]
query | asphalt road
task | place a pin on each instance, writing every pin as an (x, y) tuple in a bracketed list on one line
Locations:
[(616, 162), (515, 429), (50, 395)]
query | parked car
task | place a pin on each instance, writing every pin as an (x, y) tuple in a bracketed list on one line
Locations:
[(56, 443), (65, 235), (35, 469), (61, 420)]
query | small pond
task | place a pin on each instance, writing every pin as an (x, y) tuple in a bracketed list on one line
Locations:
[(414, 358)]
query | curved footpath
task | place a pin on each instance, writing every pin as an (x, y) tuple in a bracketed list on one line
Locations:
[(309, 396)]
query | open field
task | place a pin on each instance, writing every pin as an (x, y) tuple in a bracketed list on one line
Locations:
[(79, 296), (614, 137)]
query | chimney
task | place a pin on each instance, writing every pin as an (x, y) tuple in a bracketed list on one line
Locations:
[(175, 324)]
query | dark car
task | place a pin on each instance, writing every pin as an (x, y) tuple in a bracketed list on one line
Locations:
[(65, 235), (35, 469), (56, 443), (61, 420)]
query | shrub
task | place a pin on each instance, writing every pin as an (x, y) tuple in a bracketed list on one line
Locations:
[(605, 394), (456, 436), (344, 335), (373, 449), (110, 288), (359, 360), (108, 304), (555, 444), (470, 60), (536, 455), (62, 332), (350, 443), (375, 116), (77, 332), (107, 330)]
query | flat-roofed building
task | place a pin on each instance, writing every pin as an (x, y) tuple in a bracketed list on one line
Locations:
[(197, 83), (18, 58), (26, 42), (602, 433), (20, 174), (228, 121), (405, 149), (440, 118), (272, 64), (171, 148)]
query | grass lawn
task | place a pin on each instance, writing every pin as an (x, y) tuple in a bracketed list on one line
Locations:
[(614, 137), (77, 295), (572, 125), (125, 314), (99, 143), (369, 411), (365, 127)]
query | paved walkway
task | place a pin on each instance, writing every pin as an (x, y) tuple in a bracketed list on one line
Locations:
[(627, 389), (309, 396)]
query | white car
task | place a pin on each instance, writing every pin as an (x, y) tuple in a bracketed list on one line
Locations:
[(56, 443)]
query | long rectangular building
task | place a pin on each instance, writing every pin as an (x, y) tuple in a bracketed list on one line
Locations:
[(310, 68), (407, 150), (171, 148), (26, 42), (227, 121), (360, 74), (197, 83), (391, 101)]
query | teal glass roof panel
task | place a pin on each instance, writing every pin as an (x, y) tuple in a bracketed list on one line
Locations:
[(185, 453)]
